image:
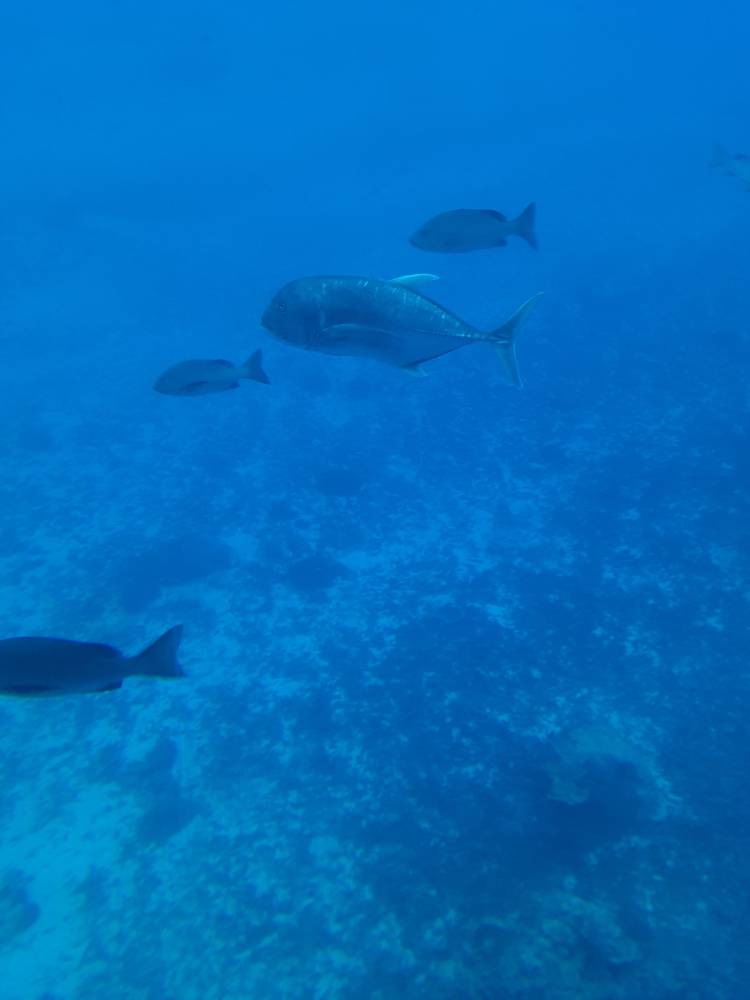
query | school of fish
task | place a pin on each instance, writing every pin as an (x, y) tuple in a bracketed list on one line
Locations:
[(391, 321)]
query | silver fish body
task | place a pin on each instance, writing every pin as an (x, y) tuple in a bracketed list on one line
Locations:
[(388, 321)]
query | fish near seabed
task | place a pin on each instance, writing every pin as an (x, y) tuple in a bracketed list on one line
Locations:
[(388, 321), (734, 164), (38, 666), (466, 229), (197, 378)]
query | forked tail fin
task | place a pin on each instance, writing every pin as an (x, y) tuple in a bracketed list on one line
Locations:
[(160, 658), (253, 368), (525, 225), (504, 339)]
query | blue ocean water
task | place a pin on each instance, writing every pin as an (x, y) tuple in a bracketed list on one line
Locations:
[(466, 707)]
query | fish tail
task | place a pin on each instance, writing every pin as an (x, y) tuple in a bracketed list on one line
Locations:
[(525, 225), (160, 658), (504, 339), (253, 368), (720, 156)]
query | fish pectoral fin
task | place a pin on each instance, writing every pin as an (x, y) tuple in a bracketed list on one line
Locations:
[(412, 280), (356, 340), (414, 369), (355, 333)]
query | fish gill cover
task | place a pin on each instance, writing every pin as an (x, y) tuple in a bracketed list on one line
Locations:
[(465, 712)]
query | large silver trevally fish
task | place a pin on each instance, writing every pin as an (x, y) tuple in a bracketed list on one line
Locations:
[(735, 164), (389, 321)]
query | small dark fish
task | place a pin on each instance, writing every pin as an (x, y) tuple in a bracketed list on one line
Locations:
[(389, 321), (196, 378), (468, 229), (37, 667), (734, 164)]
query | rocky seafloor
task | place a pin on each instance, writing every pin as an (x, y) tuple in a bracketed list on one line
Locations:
[(466, 705)]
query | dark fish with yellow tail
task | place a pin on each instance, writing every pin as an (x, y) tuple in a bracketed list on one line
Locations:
[(32, 666), (200, 377), (467, 229)]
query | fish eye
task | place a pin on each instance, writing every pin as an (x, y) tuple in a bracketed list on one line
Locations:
[(281, 306)]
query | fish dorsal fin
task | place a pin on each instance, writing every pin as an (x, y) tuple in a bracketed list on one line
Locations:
[(493, 214), (412, 280)]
